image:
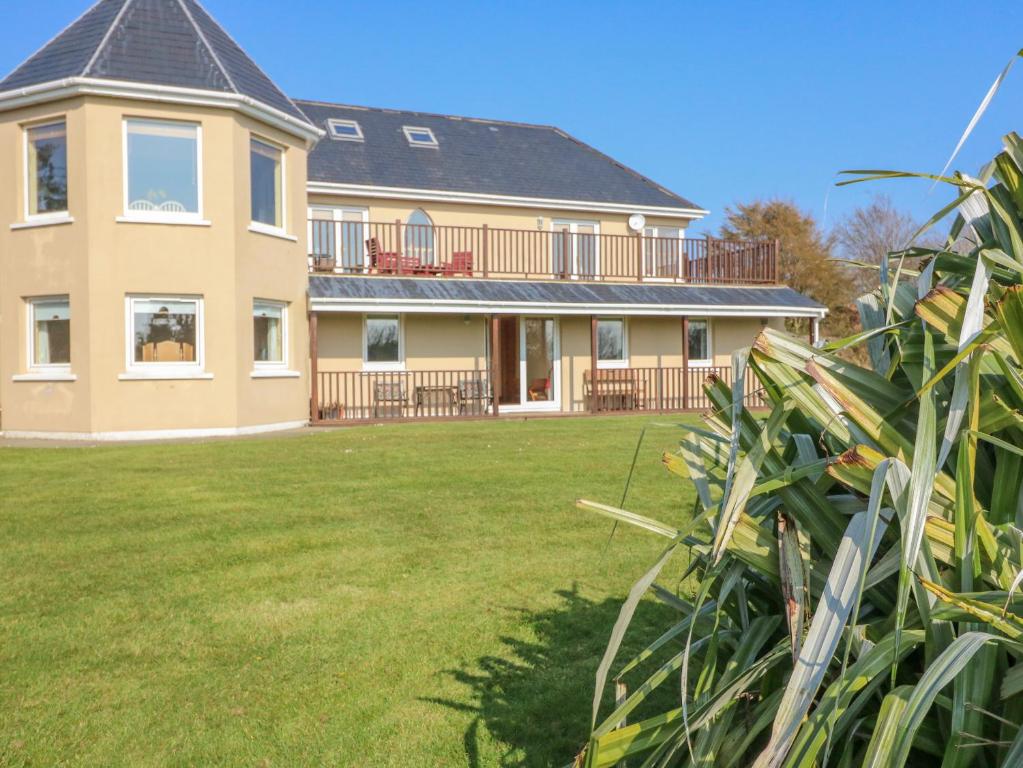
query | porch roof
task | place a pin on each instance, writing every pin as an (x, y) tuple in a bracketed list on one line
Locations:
[(343, 293)]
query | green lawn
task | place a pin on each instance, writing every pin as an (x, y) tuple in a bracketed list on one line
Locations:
[(408, 595)]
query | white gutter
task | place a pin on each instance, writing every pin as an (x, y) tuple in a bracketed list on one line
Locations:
[(474, 307), (447, 196), (87, 86)]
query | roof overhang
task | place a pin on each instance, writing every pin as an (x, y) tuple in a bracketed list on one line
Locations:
[(466, 307), (88, 86), (448, 196)]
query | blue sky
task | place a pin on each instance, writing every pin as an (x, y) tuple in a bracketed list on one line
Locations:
[(720, 102)]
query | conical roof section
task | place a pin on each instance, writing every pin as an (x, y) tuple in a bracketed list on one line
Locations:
[(157, 42)]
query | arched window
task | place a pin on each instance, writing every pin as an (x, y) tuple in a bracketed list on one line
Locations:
[(419, 237)]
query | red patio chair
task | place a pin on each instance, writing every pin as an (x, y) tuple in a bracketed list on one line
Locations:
[(385, 262)]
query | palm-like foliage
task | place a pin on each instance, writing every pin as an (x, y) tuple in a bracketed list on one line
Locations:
[(857, 552)]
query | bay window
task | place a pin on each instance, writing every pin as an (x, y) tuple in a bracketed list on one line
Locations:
[(267, 184), (165, 334), (163, 177), (46, 170), (49, 333), (269, 334)]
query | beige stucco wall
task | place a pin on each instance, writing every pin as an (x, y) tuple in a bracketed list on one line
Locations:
[(98, 261)]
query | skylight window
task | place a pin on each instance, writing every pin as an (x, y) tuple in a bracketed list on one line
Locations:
[(345, 130), (419, 137)]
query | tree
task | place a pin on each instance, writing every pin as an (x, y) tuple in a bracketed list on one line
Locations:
[(868, 233), (805, 258)]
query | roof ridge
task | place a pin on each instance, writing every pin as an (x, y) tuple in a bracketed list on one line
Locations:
[(106, 37), (53, 39), (213, 53), (497, 121), (252, 60), (624, 167)]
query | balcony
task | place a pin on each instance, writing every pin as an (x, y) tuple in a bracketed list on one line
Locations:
[(446, 251)]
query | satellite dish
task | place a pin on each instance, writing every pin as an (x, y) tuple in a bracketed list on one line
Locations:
[(636, 222)]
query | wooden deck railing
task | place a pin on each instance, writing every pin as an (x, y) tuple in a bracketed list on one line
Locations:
[(386, 395), (354, 396), (395, 248), (661, 389)]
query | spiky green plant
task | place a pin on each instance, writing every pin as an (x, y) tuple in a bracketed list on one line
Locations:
[(856, 553)]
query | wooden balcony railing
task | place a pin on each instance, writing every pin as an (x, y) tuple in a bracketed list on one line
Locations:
[(388, 395), (373, 396), (661, 389), (395, 248)]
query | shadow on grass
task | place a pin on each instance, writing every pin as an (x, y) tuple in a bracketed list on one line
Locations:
[(536, 699)]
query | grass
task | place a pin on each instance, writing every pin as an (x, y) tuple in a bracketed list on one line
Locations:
[(419, 594)]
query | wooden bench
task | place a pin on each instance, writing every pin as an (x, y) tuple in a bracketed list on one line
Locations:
[(613, 389)]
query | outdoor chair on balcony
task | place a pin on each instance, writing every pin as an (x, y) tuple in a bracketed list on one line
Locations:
[(460, 264), (390, 401), (473, 397), (390, 262)]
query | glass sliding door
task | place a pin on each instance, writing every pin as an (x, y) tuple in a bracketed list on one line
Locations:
[(529, 356), (662, 252), (337, 236), (538, 359), (574, 250)]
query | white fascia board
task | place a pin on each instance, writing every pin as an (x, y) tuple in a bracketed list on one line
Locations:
[(432, 306), (88, 86), (447, 196)]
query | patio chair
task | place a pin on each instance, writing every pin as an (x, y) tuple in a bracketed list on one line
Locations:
[(385, 262), (460, 264), (473, 397), (390, 401)]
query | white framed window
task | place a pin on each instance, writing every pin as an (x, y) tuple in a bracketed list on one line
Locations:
[(165, 336), (162, 171), (701, 351), (269, 334), (266, 184), (383, 343), (49, 334), (46, 187), (612, 342), (344, 130), (419, 137)]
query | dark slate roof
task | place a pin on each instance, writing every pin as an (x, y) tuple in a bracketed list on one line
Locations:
[(515, 292), (476, 156), (160, 42)]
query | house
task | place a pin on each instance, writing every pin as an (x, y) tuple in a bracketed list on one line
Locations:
[(185, 250)]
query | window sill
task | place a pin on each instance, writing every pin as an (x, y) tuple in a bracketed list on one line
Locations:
[(396, 368), (164, 376), (44, 221), (271, 373), (701, 364), (44, 376), (611, 365), (183, 221), (263, 229)]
